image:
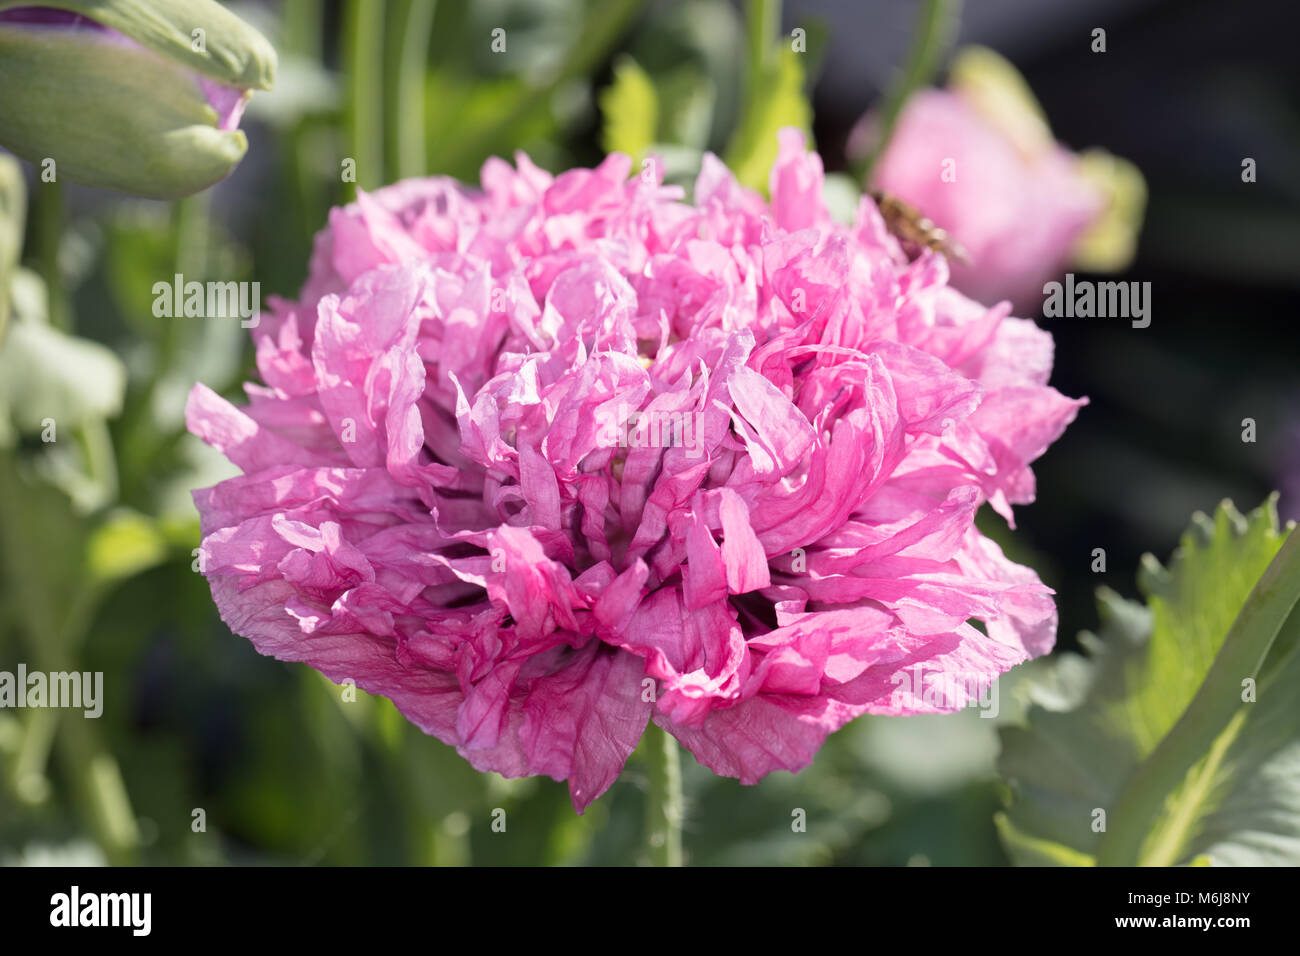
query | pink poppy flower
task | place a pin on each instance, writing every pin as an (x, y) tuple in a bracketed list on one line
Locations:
[(546, 460)]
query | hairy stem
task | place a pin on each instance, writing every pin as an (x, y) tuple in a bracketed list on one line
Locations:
[(364, 63), (663, 829)]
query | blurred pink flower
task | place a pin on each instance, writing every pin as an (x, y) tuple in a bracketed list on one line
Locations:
[(1016, 214), (979, 160), (544, 461)]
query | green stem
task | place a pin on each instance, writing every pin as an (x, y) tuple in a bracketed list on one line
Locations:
[(139, 440), (193, 232), (301, 37), (663, 823), (364, 121), (412, 79), (28, 777), (1130, 840), (302, 28), (935, 30), (96, 443)]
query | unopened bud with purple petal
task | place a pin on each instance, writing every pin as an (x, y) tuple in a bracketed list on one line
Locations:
[(141, 96)]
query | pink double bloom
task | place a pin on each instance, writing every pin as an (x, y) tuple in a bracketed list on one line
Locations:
[(431, 504)]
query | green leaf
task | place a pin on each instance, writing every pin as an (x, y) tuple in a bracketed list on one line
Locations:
[(635, 125), (1153, 730), (125, 544), (46, 374), (42, 540), (1028, 850), (630, 108), (42, 575), (1110, 243), (780, 102)]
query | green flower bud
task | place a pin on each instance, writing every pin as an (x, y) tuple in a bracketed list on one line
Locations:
[(141, 96)]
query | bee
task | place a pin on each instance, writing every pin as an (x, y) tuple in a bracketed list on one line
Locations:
[(909, 226)]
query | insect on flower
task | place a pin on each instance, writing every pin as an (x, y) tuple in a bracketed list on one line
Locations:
[(909, 225)]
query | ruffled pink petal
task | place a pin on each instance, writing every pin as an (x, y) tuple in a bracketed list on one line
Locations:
[(540, 460)]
